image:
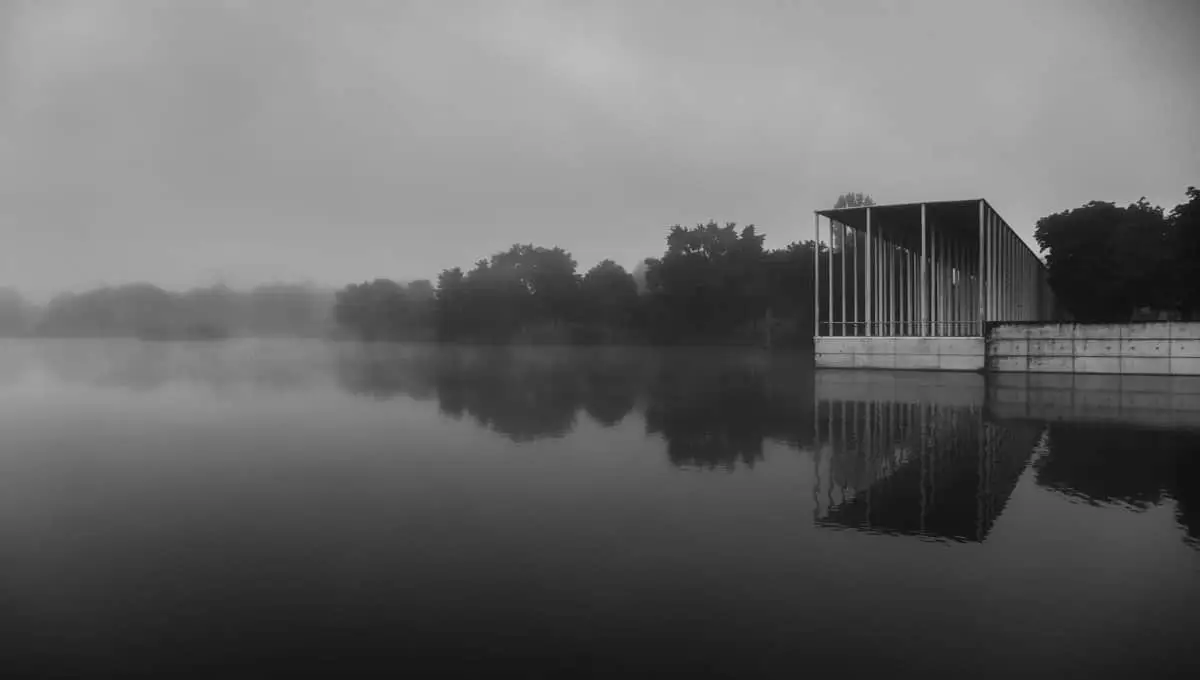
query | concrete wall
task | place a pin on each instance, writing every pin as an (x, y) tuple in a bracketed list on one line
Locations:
[(1143, 400), (1155, 348), (942, 354)]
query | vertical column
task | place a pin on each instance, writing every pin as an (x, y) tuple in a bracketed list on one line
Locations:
[(924, 285), (857, 331), (960, 286), (981, 312), (842, 262), (816, 275), (877, 277), (1005, 273), (893, 289), (867, 274), (883, 283), (887, 287), (933, 279), (1022, 275), (943, 263), (906, 277), (1014, 300), (955, 285), (1010, 267), (914, 313), (963, 284), (943, 289), (830, 259), (993, 268)]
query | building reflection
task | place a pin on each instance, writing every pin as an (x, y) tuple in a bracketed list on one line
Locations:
[(912, 454)]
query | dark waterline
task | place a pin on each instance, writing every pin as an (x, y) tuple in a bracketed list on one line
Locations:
[(248, 508)]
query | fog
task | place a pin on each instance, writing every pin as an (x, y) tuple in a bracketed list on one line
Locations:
[(192, 144)]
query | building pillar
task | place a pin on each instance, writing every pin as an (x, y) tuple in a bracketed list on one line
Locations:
[(924, 284), (842, 263), (867, 277), (816, 275), (829, 257), (856, 319), (934, 316), (981, 311)]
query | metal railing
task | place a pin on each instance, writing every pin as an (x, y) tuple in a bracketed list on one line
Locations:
[(885, 329)]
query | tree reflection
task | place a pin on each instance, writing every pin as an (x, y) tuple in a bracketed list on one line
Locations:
[(522, 393), (715, 412), (1134, 468), (714, 408), (521, 397)]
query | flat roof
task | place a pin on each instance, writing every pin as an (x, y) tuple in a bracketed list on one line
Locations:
[(961, 215)]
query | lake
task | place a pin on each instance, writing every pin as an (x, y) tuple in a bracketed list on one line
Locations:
[(231, 509)]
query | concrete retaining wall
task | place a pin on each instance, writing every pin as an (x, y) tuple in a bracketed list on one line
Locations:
[(1156, 348), (941, 354)]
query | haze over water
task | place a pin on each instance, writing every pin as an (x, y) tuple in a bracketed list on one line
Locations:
[(222, 509)]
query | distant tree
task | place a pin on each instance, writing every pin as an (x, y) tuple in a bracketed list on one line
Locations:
[(609, 296), (385, 310), (420, 290), (138, 309), (451, 304), (518, 290), (853, 200), (15, 313)]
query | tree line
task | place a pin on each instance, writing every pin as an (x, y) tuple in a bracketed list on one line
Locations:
[(714, 284), (1109, 263), (147, 311)]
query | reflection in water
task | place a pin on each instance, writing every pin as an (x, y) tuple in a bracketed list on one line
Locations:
[(934, 455), (714, 409), (217, 508), (717, 414), (903, 463), (1135, 468)]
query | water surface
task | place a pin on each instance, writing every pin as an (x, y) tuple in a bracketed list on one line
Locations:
[(251, 507)]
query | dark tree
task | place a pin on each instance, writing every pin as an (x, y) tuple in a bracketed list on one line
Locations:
[(710, 283), (1185, 231), (609, 297), (1105, 262), (385, 310)]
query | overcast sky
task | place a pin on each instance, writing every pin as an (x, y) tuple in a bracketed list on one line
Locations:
[(187, 143)]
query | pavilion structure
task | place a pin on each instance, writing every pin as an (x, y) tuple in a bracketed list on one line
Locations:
[(915, 285)]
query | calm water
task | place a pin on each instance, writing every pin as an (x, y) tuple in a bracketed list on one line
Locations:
[(231, 509)]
